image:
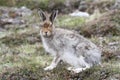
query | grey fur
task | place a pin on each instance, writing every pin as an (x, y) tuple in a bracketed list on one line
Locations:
[(72, 48)]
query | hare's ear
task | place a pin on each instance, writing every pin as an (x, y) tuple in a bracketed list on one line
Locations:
[(42, 15), (53, 15)]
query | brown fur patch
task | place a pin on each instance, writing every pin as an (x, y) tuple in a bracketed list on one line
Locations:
[(47, 26)]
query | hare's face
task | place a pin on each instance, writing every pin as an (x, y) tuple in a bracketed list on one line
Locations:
[(47, 26), (46, 29)]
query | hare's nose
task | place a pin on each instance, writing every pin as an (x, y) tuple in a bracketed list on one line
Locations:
[(45, 32)]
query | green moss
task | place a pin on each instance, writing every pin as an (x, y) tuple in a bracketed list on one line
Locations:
[(28, 3), (7, 3), (69, 22), (23, 55)]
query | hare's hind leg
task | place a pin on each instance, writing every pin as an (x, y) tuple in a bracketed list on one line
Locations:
[(83, 65), (54, 63), (77, 70), (80, 69)]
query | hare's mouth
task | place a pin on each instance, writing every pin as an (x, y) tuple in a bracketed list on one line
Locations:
[(47, 36)]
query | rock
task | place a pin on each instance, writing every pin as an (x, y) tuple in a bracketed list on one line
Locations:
[(3, 22), (90, 5), (113, 43), (64, 6), (12, 21), (79, 13), (24, 11), (83, 6), (4, 12), (117, 4), (69, 3), (14, 16)]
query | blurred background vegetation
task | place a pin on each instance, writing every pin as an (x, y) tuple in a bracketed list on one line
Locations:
[(22, 56)]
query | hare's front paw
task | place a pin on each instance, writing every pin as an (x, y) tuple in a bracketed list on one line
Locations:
[(77, 70), (49, 68)]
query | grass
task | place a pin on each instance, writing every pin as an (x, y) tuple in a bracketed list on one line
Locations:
[(66, 21), (26, 61), (43, 4), (31, 72), (107, 24)]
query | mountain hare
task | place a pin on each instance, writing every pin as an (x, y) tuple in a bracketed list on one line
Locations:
[(68, 46)]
